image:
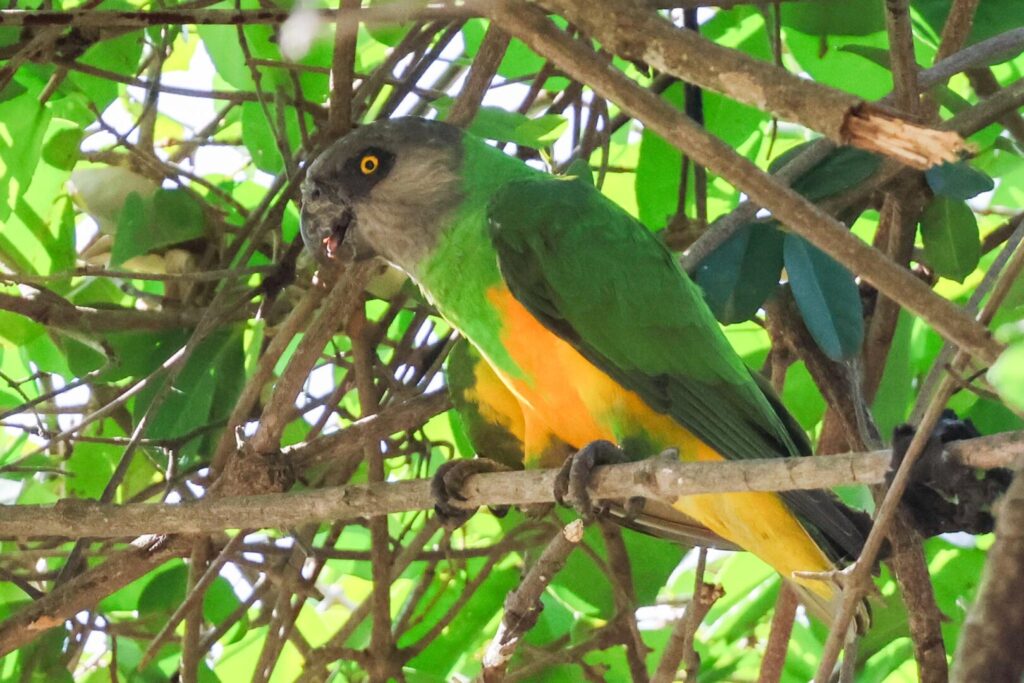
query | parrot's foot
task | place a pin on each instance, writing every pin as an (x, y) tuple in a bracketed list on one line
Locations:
[(944, 495), (447, 484), (572, 480), (841, 578)]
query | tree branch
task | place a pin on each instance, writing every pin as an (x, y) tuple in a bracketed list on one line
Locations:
[(989, 648), (635, 32), (655, 477), (522, 606)]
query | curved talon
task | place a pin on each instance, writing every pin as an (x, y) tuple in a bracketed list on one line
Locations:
[(446, 486), (574, 476)]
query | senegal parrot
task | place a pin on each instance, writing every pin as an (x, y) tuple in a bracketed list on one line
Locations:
[(590, 331)]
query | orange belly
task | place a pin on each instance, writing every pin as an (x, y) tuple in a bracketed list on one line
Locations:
[(565, 396)]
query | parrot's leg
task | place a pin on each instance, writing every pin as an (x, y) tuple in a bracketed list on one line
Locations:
[(574, 477), (447, 484)]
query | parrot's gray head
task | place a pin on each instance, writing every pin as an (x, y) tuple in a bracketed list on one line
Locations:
[(384, 189)]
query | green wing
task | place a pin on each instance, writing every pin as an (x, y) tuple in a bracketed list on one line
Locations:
[(597, 278)]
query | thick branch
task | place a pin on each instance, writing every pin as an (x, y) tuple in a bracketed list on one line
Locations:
[(634, 31), (651, 478), (523, 606), (56, 312), (989, 648), (376, 14)]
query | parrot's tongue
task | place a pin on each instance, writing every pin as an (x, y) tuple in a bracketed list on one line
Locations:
[(331, 243), (338, 230)]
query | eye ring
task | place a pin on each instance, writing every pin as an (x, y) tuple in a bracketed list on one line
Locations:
[(369, 164)]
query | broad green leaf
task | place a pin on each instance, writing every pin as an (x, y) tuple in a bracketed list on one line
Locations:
[(163, 593), (841, 170), (958, 180), (519, 60), (742, 273), (843, 70), (952, 243), (827, 297), (509, 126), (120, 55), (877, 55), (259, 137), (145, 225), (834, 17), (990, 18), (61, 148), (801, 397), (1007, 373), (220, 601), (892, 400), (659, 168), (23, 122)]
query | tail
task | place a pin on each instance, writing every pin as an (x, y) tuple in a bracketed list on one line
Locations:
[(826, 604)]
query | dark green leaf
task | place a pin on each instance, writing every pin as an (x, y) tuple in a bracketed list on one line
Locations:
[(164, 592), (192, 401), (841, 170), (952, 243), (742, 273), (990, 18), (827, 297), (145, 225), (13, 89), (958, 180), (877, 55), (834, 17)]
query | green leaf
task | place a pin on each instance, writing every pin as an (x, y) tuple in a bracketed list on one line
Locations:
[(1007, 373), (203, 392), (840, 69), (61, 149), (510, 126), (952, 243), (835, 17), (958, 180), (145, 225), (23, 122), (164, 592), (876, 55), (659, 167), (260, 139), (13, 89), (827, 297), (120, 55), (841, 170), (742, 273), (220, 601)]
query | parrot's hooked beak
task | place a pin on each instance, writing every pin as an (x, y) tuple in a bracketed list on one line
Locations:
[(325, 226)]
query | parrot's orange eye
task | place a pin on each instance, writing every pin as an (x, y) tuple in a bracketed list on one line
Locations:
[(369, 164)]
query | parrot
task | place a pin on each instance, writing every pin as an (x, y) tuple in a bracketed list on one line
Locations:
[(587, 338)]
